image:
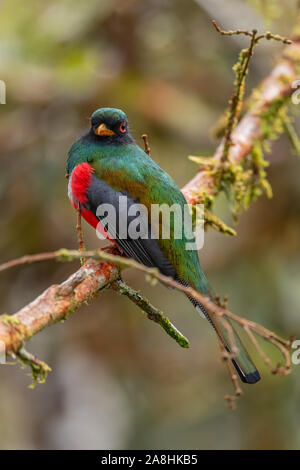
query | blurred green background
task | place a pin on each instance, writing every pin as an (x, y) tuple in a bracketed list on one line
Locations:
[(118, 380)]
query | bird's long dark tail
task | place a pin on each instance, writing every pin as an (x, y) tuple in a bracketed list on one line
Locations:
[(241, 361)]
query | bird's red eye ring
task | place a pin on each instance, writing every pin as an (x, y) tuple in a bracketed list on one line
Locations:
[(123, 127)]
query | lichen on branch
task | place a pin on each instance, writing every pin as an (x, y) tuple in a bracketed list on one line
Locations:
[(238, 167)]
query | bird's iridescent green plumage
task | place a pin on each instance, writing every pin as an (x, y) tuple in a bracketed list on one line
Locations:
[(128, 167)]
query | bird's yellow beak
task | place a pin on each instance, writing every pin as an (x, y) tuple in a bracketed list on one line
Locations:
[(103, 130)]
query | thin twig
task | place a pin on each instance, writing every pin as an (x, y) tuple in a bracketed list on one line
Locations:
[(236, 100), (39, 369), (230, 399), (268, 35), (27, 259), (235, 103), (264, 357), (146, 144), (276, 37), (79, 230), (231, 33), (152, 312)]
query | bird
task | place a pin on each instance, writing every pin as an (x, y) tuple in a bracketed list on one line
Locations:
[(105, 165)]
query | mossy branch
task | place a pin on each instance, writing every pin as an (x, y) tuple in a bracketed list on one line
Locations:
[(57, 302), (238, 167), (39, 369), (152, 312)]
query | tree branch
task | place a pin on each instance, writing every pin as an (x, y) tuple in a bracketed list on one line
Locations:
[(152, 312), (57, 302), (277, 86)]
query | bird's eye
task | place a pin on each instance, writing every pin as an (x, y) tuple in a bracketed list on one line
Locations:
[(123, 127)]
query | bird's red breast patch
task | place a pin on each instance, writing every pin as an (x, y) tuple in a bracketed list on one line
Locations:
[(80, 182)]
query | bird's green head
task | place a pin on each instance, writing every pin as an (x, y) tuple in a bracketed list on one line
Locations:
[(110, 124)]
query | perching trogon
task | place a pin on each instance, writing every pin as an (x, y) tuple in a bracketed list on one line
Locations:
[(106, 164)]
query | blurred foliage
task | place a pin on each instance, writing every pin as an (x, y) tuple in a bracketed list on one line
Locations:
[(117, 380), (269, 9)]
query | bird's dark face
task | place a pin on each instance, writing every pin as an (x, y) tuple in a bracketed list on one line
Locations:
[(109, 124)]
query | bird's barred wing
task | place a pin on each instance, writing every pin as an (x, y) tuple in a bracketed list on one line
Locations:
[(101, 199)]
